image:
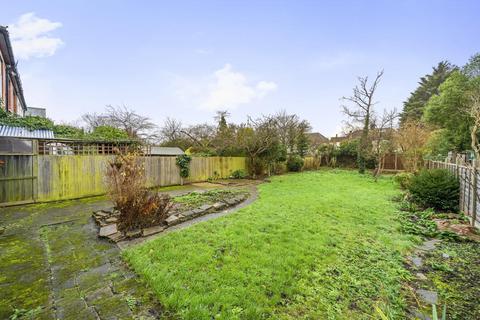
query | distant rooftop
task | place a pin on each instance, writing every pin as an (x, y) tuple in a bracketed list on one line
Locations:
[(21, 132), (166, 151)]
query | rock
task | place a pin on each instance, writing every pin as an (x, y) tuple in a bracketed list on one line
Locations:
[(152, 230), (111, 220), (417, 261), (101, 214), (445, 256), (429, 297), (429, 245), (219, 205), (421, 276), (116, 236), (206, 207), (134, 233), (188, 213), (198, 211), (108, 210), (108, 230), (231, 202), (172, 220)]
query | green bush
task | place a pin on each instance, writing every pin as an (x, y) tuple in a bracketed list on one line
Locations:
[(403, 179), (295, 163), (437, 189), (183, 163), (238, 174)]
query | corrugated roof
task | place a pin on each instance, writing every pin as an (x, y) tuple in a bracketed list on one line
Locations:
[(20, 132), (166, 151)]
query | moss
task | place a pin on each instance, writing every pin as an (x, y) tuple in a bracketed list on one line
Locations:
[(456, 278), (22, 260)]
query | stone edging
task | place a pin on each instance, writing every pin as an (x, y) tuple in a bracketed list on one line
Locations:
[(107, 220)]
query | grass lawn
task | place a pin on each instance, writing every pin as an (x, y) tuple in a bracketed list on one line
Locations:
[(315, 245)]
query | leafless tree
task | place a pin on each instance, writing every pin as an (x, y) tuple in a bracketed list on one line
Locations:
[(411, 138), (135, 125), (201, 135), (94, 120), (257, 137), (360, 112), (171, 131)]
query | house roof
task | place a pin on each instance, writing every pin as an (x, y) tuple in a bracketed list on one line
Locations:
[(166, 151), (7, 53), (21, 132), (317, 138)]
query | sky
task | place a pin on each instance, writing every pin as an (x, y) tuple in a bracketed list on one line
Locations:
[(187, 59)]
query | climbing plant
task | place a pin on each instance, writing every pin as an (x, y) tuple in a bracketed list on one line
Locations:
[(183, 162)]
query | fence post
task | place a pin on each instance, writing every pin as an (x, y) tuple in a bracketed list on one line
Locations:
[(474, 193)]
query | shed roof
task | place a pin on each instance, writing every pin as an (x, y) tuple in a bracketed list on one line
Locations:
[(21, 132), (166, 151)]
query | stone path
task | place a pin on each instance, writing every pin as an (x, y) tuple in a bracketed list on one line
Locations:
[(53, 266)]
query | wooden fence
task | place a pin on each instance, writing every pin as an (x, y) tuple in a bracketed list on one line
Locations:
[(468, 176), (31, 178)]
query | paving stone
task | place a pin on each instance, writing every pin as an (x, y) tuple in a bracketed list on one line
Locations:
[(188, 213), (108, 230), (198, 211), (219, 205), (231, 202), (430, 297), (76, 308), (116, 236), (429, 245), (206, 207), (133, 233), (421, 276), (111, 220), (152, 230), (417, 261), (99, 294), (172, 220)]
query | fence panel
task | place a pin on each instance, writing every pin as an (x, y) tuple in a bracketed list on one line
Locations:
[(30, 178), (17, 178), (469, 188)]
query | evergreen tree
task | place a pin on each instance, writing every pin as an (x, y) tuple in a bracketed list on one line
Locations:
[(428, 86), (302, 140)]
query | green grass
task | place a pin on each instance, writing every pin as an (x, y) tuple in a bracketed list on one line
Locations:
[(315, 245)]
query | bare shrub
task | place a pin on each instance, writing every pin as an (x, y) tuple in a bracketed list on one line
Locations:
[(127, 189)]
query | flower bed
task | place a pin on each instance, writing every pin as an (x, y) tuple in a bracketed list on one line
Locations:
[(185, 207)]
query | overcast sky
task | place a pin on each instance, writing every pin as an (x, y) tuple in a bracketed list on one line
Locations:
[(186, 59)]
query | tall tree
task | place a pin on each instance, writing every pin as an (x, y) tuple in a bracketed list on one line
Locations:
[(360, 113), (448, 110), (427, 87), (472, 68)]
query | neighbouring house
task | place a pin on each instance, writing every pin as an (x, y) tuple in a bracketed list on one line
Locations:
[(316, 138), (337, 140), (11, 91), (166, 151)]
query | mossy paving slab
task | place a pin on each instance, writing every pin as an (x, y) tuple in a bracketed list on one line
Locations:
[(54, 267)]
